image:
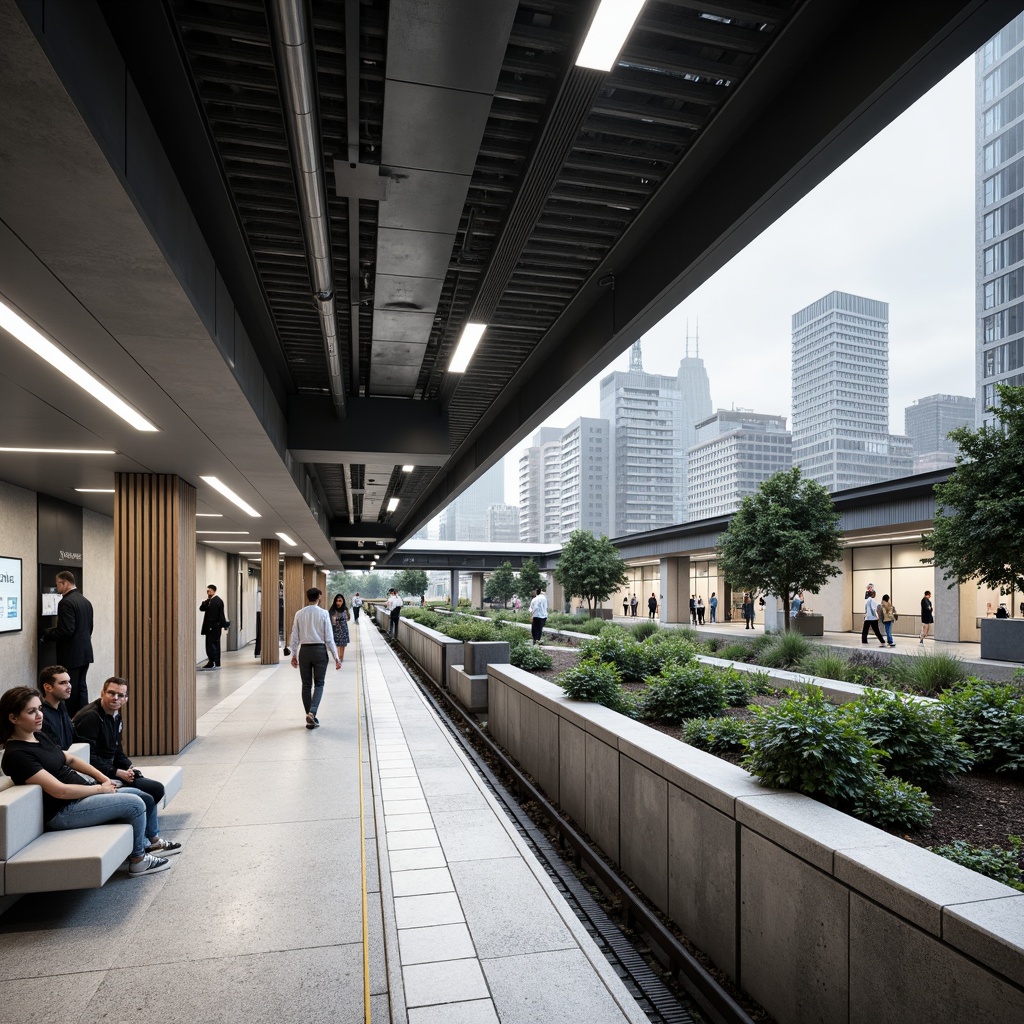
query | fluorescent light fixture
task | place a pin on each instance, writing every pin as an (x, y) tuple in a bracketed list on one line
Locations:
[(471, 335), (95, 490), (21, 329), (209, 515), (408, 469), (307, 555), (392, 504), (230, 495), (223, 533), (218, 541), (286, 539), (608, 32), (249, 552), (62, 451)]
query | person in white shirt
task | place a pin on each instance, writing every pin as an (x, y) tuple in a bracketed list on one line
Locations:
[(538, 615), (871, 616), (394, 607), (312, 638), (357, 603)]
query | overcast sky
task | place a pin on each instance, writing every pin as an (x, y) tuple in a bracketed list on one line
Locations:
[(895, 222)]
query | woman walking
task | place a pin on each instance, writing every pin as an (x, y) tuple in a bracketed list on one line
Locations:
[(339, 623), (887, 613), (748, 610)]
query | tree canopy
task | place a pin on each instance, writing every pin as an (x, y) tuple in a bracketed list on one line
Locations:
[(978, 533), (783, 539), (530, 579), (590, 568), (411, 581), (501, 584)]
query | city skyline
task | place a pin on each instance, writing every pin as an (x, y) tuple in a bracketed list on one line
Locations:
[(862, 230)]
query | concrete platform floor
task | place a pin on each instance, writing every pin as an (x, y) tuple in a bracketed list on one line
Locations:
[(266, 914)]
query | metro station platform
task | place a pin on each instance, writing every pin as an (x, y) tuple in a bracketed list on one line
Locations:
[(360, 871)]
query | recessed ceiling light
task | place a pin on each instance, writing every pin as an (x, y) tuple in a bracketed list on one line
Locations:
[(226, 541), (408, 469), (95, 490), (222, 533), (209, 515), (249, 552), (230, 495), (307, 555), (608, 32), (471, 336), (287, 539), (392, 504), (18, 327), (62, 451)]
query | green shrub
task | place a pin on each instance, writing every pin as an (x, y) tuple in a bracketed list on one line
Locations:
[(786, 651), (807, 744), (932, 673), (867, 669), (893, 803), (716, 735), (593, 627), (762, 641), (921, 742), (642, 630), (462, 627), (825, 664), (683, 691), (597, 683), (529, 658), (634, 660), (990, 719), (739, 686), (736, 651), (995, 862)]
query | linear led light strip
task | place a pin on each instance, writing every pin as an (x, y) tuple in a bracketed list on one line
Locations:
[(471, 336), (230, 495), (20, 328), (608, 32)]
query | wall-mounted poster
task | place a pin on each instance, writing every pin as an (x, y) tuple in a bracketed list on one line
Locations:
[(10, 595)]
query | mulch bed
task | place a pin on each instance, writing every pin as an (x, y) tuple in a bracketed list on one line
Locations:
[(982, 808)]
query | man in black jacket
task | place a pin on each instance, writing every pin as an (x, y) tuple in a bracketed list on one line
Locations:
[(100, 725), (73, 634), (213, 623), (55, 684)]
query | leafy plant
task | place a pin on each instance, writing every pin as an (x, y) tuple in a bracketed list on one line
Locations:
[(530, 658), (990, 719), (736, 651), (932, 673), (893, 803), (993, 861), (921, 743), (642, 630), (739, 687), (597, 683), (825, 664), (786, 651), (683, 691), (716, 735)]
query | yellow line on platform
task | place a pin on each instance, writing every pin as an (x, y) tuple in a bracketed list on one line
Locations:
[(362, 830)]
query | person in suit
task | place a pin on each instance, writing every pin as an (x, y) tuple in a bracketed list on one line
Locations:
[(73, 636), (213, 623)]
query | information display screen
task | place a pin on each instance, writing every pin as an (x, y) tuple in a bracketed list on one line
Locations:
[(11, 605)]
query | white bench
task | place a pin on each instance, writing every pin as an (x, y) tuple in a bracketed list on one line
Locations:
[(33, 860)]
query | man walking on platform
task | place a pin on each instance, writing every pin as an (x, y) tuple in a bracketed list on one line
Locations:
[(73, 634), (538, 615), (312, 638), (394, 607), (357, 604)]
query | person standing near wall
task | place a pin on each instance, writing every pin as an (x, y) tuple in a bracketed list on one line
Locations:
[(538, 615), (213, 624), (73, 635), (652, 607), (394, 607), (927, 615), (713, 605)]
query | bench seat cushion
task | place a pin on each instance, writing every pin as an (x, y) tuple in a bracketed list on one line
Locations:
[(80, 858)]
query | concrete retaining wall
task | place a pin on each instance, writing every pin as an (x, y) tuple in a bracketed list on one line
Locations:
[(818, 916), (434, 652)]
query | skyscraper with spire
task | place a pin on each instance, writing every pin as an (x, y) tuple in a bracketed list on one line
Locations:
[(651, 418)]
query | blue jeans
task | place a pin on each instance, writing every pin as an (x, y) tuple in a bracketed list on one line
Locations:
[(126, 805), (888, 632), (313, 671)]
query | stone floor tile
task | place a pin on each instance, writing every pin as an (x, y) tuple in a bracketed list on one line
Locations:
[(448, 981), (419, 883), (424, 911), (442, 942), (477, 1011)]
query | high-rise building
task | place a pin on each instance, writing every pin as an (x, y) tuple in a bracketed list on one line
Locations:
[(584, 477), (928, 422), (539, 490), (503, 524), (466, 517), (999, 348), (651, 418), (841, 433), (735, 451)]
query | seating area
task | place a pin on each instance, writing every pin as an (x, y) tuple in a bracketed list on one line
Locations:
[(87, 856)]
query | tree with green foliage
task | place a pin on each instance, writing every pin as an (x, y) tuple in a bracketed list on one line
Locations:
[(784, 538), (978, 534), (501, 584), (411, 581), (590, 568), (530, 579)]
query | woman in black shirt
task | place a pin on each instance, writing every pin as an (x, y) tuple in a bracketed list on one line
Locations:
[(32, 758)]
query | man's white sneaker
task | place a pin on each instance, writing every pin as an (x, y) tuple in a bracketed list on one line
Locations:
[(149, 865)]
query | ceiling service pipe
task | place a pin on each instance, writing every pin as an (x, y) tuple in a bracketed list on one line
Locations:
[(293, 48)]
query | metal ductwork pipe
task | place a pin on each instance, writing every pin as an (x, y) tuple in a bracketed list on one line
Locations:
[(293, 47)]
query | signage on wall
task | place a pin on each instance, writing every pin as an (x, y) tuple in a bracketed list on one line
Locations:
[(10, 595)]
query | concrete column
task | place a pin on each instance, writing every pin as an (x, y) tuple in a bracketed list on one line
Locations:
[(948, 614), (294, 591), (154, 609), (270, 608), (674, 603), (476, 590), (454, 588)]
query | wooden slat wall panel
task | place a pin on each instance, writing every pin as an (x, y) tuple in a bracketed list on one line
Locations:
[(294, 592), (309, 577), (270, 610), (155, 625)]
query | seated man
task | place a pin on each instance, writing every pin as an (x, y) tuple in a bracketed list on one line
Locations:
[(55, 684), (99, 724)]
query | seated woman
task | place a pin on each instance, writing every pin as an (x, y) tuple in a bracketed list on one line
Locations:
[(32, 758), (339, 623)]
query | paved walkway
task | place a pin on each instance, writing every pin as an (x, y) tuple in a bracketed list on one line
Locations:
[(276, 910)]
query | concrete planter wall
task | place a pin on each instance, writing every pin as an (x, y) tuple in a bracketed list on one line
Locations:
[(820, 917), (1002, 639), (434, 652)]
